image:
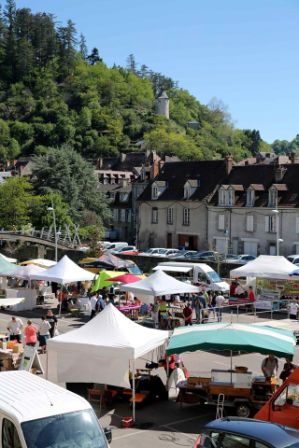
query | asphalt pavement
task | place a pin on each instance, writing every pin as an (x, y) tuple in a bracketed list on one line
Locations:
[(167, 423)]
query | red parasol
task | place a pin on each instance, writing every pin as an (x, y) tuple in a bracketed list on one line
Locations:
[(124, 278)]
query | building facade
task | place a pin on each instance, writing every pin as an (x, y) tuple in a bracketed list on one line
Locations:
[(255, 210), (173, 207)]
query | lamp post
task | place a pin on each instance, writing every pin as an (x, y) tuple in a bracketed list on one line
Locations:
[(278, 240), (52, 209)]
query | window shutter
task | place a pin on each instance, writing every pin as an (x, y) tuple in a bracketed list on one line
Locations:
[(297, 225), (249, 223), (267, 223)]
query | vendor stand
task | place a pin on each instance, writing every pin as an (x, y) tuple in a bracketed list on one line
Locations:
[(271, 277), (241, 389)]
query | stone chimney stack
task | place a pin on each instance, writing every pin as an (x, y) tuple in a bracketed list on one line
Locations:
[(229, 163), (154, 169), (292, 157)]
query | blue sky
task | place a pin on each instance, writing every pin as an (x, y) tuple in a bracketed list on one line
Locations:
[(242, 52)]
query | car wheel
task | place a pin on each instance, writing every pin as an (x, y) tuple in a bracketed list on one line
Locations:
[(243, 410)]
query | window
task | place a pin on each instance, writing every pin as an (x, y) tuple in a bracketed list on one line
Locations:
[(186, 217), (155, 192), (250, 197), (154, 215), (270, 224), (272, 201), (187, 191), (249, 223), (289, 394), (124, 197), (170, 215), (10, 437), (221, 222), (230, 197), (221, 197), (297, 224), (234, 441), (128, 215), (115, 214)]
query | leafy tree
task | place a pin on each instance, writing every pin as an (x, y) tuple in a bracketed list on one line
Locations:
[(83, 47), (64, 171), (16, 198)]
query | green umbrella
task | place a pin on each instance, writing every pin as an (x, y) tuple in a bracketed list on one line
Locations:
[(248, 338), (101, 281)]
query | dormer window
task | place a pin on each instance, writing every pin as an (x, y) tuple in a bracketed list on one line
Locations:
[(250, 197), (190, 187), (230, 199), (155, 192), (272, 199), (158, 188), (187, 191), (221, 196)]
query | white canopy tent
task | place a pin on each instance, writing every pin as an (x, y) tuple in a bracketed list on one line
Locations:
[(100, 351), (159, 284), (265, 266), (28, 272), (42, 262), (64, 272)]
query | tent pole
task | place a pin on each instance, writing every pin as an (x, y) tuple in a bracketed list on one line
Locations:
[(60, 304), (133, 389)]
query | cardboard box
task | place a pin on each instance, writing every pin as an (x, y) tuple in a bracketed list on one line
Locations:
[(17, 348)]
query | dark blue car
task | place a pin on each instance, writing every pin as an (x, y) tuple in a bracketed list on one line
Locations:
[(237, 432)]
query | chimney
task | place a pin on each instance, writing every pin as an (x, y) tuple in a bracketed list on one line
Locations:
[(291, 156), (228, 163), (122, 157), (154, 169), (100, 163)]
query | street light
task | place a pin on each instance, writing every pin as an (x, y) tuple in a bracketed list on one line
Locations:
[(52, 209), (278, 240)]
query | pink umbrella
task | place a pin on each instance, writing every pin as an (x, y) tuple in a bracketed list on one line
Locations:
[(124, 278)]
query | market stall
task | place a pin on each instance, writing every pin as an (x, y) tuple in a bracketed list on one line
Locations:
[(157, 285), (272, 280), (237, 384), (101, 350)]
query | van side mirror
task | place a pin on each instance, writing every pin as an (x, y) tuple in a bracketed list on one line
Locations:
[(108, 434)]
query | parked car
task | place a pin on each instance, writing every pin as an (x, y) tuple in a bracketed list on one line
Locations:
[(206, 255), (154, 251), (120, 250), (294, 259), (115, 245), (237, 432), (239, 259), (183, 254)]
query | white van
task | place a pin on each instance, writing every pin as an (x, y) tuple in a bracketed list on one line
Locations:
[(200, 273), (35, 413)]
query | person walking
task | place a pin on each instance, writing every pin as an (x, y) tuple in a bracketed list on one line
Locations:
[(30, 334), (15, 327), (52, 319), (219, 299), (44, 334), (187, 312), (293, 309), (288, 368)]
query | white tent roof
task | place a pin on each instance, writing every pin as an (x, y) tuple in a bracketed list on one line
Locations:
[(265, 266), (11, 260), (28, 272), (100, 350), (65, 271), (159, 284), (43, 262)]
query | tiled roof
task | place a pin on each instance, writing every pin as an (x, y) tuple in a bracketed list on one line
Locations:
[(176, 174), (263, 177)]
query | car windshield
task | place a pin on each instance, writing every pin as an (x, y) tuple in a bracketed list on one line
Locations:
[(75, 429), (213, 276), (134, 270)]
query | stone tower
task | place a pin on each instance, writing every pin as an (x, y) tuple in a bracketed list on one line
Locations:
[(162, 105)]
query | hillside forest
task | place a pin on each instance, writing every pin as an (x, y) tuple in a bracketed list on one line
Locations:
[(59, 98)]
